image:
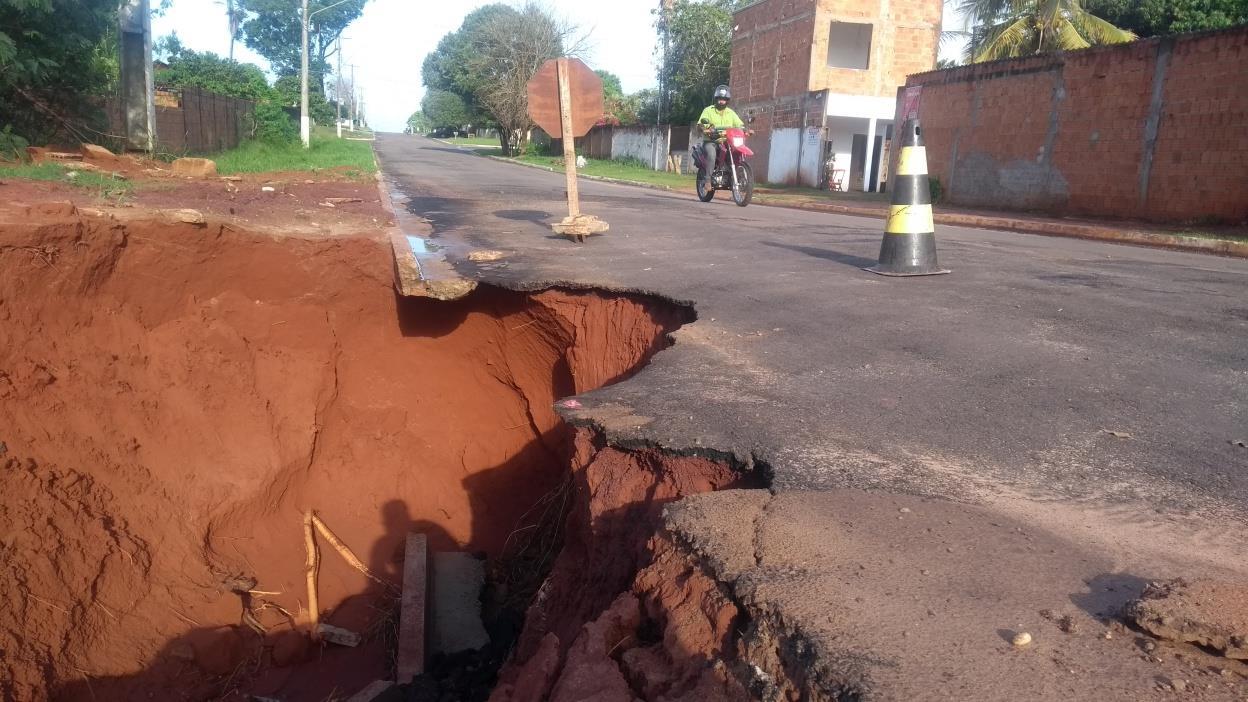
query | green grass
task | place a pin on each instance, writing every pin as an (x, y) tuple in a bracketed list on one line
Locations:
[(473, 141), (327, 151), (1236, 235), (618, 170), (103, 184)]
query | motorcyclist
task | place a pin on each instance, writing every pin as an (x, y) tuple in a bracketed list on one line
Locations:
[(716, 118)]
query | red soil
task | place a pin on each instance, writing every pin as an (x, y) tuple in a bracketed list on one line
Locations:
[(173, 398), (623, 615)]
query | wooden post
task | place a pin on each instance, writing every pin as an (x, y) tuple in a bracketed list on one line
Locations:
[(411, 658), (569, 141)]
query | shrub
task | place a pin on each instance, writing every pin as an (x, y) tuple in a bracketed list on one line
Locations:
[(12, 146), (272, 124)]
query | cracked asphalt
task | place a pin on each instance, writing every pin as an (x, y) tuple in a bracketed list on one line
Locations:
[(1095, 389)]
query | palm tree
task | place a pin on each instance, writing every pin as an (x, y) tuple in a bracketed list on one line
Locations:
[(234, 13), (1010, 28)]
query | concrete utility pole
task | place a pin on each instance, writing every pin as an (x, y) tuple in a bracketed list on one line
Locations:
[(355, 105), (305, 119), (338, 92), (138, 101)]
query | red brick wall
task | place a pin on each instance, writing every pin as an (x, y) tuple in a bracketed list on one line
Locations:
[(1155, 130), (771, 49), (905, 38)]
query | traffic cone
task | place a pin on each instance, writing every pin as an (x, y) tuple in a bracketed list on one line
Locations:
[(909, 246)]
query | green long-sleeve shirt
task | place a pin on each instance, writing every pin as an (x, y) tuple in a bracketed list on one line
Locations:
[(720, 119)]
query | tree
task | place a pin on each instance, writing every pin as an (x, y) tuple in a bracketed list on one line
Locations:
[(56, 57), (218, 75), (445, 109), (618, 108), (273, 29), (418, 123), (448, 66), (234, 15), (1149, 18), (696, 40), (647, 105), (489, 61), (611, 86), (320, 109), (223, 76), (1010, 28)]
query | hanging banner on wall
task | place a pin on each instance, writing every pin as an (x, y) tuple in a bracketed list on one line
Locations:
[(910, 102)]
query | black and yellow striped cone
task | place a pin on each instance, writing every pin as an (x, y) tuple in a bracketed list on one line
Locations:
[(909, 246)]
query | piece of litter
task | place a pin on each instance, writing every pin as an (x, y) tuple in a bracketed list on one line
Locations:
[(189, 216), (570, 404), (268, 189), (342, 200), (1021, 639), (1240, 443), (1118, 434), (485, 255), (338, 635)]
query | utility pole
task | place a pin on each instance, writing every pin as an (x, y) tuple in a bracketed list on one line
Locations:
[(137, 96), (665, 9), (305, 119), (355, 105), (338, 91)]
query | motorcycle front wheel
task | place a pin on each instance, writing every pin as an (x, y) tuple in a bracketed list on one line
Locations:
[(705, 191), (743, 191)]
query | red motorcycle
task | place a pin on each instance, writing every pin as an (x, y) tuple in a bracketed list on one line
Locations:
[(731, 171)]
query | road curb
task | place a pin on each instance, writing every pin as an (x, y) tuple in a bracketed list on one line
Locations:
[(601, 179), (419, 271), (1091, 232)]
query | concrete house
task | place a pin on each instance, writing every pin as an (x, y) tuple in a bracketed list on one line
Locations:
[(820, 78)]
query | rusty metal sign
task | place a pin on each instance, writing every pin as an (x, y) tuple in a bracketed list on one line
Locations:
[(586, 99)]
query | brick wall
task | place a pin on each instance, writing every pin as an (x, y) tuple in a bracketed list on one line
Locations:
[(905, 39), (1155, 129), (771, 49), (779, 59)]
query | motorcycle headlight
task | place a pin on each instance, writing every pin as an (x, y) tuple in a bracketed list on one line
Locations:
[(738, 142)]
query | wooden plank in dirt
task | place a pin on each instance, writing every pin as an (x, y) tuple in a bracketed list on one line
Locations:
[(414, 605), (372, 692)]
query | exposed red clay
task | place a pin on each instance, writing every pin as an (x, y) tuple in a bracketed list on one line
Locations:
[(173, 398), (622, 615)]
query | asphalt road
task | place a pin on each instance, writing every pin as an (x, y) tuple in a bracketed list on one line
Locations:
[(999, 384)]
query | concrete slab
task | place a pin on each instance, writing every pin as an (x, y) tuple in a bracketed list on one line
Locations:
[(455, 601)]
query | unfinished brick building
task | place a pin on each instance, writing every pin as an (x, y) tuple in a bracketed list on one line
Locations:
[(820, 78)]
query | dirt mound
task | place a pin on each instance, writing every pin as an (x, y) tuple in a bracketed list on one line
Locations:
[(173, 398), (1204, 612)]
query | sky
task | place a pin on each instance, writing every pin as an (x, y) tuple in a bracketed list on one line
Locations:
[(390, 40)]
